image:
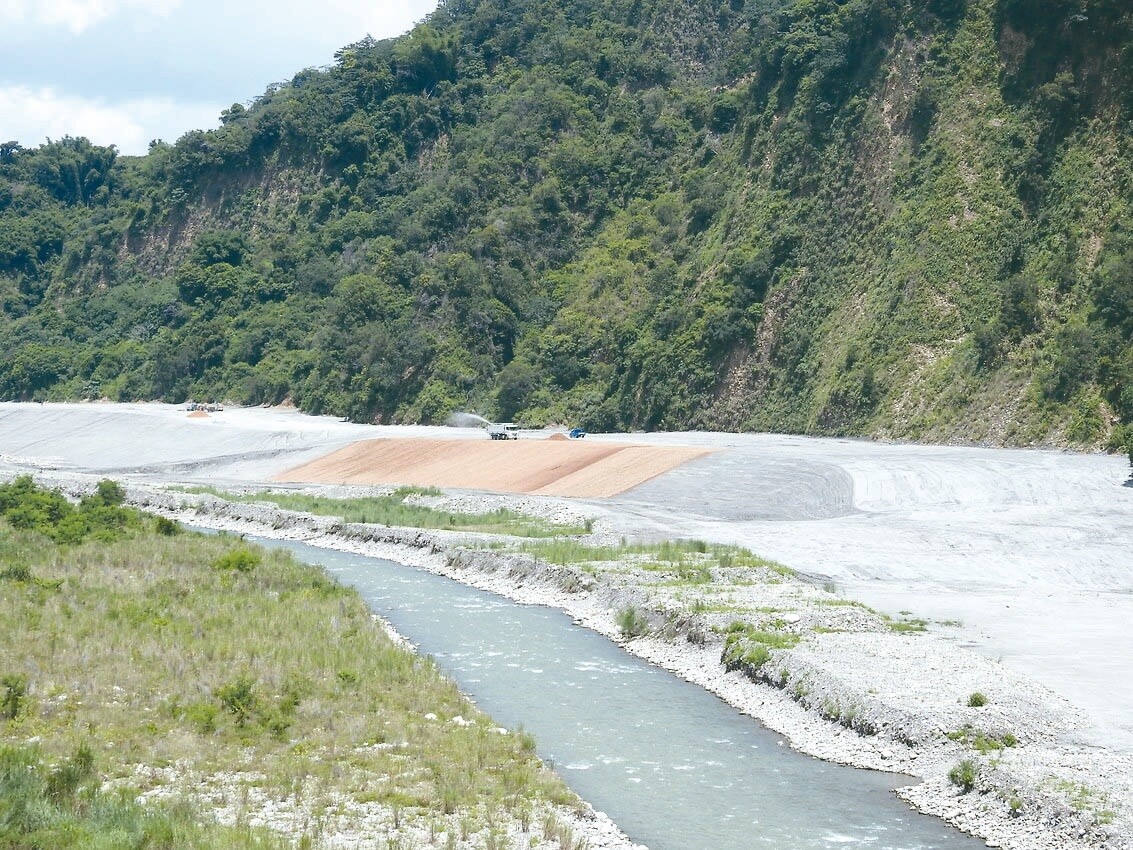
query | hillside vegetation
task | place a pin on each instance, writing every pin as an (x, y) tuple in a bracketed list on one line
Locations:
[(898, 218)]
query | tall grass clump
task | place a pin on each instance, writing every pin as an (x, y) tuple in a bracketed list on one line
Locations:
[(632, 623)]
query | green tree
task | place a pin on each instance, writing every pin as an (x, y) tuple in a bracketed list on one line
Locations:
[(518, 381)]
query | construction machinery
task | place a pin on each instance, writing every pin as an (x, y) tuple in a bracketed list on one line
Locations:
[(503, 430)]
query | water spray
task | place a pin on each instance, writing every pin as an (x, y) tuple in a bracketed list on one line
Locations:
[(464, 419)]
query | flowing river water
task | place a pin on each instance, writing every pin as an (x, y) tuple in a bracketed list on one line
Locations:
[(675, 767)]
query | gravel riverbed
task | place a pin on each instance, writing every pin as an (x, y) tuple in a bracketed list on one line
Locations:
[(857, 693), (1016, 561)]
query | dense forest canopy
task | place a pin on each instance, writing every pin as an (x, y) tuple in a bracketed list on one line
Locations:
[(900, 218)]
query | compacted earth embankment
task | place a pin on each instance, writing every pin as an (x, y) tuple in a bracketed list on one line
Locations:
[(988, 750)]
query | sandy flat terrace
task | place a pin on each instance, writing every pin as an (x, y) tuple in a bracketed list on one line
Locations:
[(542, 467)]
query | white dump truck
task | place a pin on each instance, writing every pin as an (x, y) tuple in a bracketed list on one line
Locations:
[(503, 431)]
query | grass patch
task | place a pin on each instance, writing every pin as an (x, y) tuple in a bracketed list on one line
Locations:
[(981, 742), (62, 805), (902, 626), (393, 510), (703, 606), (1083, 798), (843, 603), (225, 659), (747, 646), (691, 560), (566, 552)]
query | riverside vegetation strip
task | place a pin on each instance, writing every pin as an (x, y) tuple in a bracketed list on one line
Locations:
[(856, 687), (406, 506), (207, 673)]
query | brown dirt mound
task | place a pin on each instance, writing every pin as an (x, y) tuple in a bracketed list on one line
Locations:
[(198, 414), (559, 468), (558, 437)]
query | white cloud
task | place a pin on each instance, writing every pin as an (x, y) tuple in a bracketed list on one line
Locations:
[(124, 72), (381, 19), (33, 115), (78, 15)]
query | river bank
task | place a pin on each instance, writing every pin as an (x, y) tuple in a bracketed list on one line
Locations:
[(855, 691), (239, 686)]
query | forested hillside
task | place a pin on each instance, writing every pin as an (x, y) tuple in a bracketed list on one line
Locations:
[(899, 218)]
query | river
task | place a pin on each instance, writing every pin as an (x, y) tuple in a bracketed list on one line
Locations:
[(674, 766)]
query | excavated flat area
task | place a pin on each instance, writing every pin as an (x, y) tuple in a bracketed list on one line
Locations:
[(537, 466)]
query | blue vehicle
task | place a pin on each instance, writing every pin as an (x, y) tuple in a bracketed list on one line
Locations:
[(577, 433)]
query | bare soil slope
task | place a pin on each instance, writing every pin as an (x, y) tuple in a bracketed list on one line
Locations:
[(543, 467)]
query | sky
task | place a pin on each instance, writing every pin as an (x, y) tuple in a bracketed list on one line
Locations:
[(126, 72)]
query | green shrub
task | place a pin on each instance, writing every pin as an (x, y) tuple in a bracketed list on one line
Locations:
[(108, 493), (202, 716), (15, 491), (1019, 306), (38, 511), (240, 560), (977, 700), (1073, 362), (65, 780), (276, 723), (15, 690), (239, 699), (47, 512), (964, 775), (16, 572), (632, 622)]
